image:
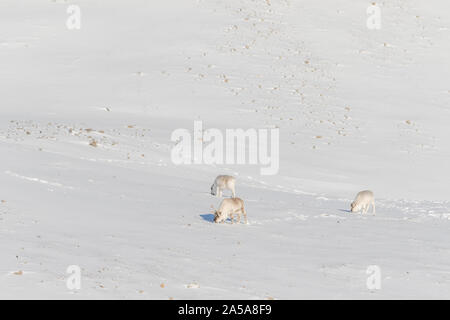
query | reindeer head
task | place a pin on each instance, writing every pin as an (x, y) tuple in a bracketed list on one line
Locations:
[(216, 214), (355, 207), (219, 217)]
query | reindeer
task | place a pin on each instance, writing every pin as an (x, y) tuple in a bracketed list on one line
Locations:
[(221, 183), (363, 201), (228, 208)]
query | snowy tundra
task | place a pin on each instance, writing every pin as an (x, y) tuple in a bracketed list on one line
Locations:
[(93, 207)]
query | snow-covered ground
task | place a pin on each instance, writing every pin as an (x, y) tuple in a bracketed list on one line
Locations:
[(86, 176)]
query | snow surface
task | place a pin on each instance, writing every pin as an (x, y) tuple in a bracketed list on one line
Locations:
[(356, 108)]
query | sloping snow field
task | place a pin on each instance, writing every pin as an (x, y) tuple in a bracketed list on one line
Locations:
[(86, 176)]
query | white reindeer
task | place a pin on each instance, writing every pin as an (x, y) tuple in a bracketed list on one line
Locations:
[(363, 201), (222, 183), (228, 208)]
